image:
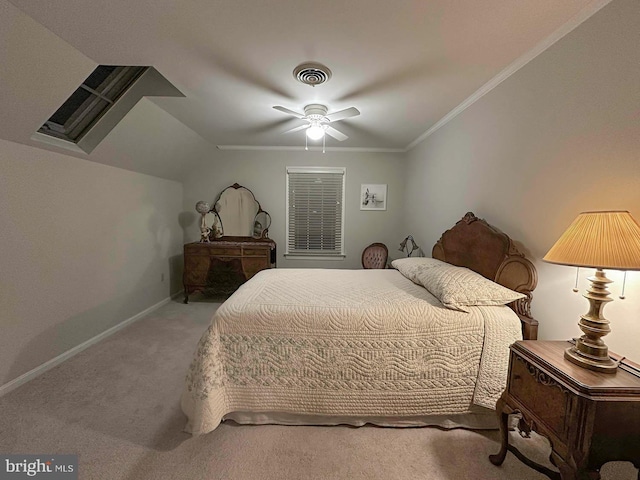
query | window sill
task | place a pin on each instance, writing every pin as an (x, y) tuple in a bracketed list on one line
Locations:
[(297, 256)]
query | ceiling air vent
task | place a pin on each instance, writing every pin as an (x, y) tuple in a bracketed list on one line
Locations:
[(312, 73)]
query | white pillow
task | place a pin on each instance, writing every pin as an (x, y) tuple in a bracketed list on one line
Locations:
[(411, 266), (459, 287)]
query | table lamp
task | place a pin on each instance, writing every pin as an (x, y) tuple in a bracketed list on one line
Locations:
[(597, 240), (203, 208), (410, 247)]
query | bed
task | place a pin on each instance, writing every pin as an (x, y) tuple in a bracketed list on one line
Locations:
[(423, 343)]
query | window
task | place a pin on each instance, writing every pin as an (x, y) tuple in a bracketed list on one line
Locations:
[(90, 101), (315, 211)]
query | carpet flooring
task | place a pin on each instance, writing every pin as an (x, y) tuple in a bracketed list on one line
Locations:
[(116, 405)]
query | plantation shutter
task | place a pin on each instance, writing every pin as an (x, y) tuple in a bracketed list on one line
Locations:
[(315, 211)]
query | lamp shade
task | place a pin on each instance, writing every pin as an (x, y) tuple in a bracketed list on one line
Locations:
[(315, 131), (599, 240)]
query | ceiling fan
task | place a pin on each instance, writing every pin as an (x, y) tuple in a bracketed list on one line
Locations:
[(318, 120)]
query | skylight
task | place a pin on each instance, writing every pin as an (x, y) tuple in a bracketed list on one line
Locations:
[(91, 100)]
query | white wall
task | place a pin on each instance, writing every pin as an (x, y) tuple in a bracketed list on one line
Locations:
[(264, 173), (39, 72), (560, 136), (149, 140), (83, 246)]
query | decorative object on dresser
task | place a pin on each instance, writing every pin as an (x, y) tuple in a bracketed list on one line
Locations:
[(328, 346), (608, 239), (203, 208), (234, 249), (409, 245), (589, 417)]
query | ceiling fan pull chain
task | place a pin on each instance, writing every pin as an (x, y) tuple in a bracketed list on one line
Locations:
[(624, 282), (306, 143), (324, 137)]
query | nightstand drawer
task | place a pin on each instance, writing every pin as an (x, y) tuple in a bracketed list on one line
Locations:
[(545, 399)]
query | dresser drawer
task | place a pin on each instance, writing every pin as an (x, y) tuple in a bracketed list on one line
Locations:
[(212, 250), (196, 249), (546, 400), (256, 251), (225, 251)]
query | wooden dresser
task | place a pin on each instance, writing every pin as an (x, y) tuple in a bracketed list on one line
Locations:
[(589, 417), (221, 266)]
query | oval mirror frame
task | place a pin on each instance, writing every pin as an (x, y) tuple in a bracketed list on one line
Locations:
[(261, 225), (240, 214)]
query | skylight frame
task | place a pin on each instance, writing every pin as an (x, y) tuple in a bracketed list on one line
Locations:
[(92, 109)]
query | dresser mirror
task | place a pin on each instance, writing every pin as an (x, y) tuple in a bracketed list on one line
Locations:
[(261, 224), (238, 214)]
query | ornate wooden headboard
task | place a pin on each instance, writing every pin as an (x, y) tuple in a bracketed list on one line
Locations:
[(481, 247)]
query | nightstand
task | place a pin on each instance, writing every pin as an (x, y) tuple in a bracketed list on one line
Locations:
[(590, 418)]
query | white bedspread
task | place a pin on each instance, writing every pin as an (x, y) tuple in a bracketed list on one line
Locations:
[(345, 342)]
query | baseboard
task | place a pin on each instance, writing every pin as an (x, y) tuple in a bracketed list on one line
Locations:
[(48, 365)]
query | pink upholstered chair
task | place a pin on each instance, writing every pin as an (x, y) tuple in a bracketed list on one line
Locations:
[(375, 256)]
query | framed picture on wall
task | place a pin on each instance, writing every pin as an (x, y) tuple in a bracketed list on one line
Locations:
[(373, 197)]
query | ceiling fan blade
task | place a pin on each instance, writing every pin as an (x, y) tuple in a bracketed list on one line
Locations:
[(335, 133), (346, 113), (297, 129), (289, 112)]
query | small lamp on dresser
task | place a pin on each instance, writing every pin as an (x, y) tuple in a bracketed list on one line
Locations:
[(203, 208), (600, 240), (409, 245)]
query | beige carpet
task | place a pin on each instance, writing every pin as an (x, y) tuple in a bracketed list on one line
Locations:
[(116, 406)]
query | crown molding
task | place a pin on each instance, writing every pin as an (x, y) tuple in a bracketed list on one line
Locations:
[(288, 148), (587, 12), (520, 62)]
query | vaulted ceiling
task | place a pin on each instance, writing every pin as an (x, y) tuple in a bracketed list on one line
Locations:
[(404, 64)]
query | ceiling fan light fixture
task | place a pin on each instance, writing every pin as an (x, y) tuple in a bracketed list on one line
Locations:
[(318, 121), (315, 131)]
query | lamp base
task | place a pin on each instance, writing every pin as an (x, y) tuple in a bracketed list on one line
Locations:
[(590, 351), (578, 356)]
